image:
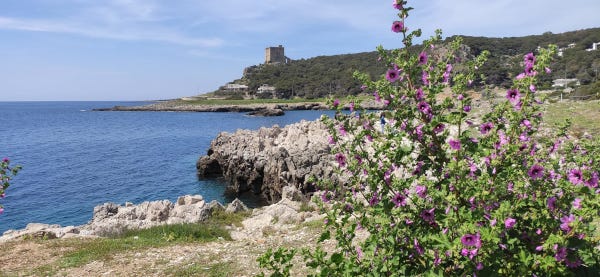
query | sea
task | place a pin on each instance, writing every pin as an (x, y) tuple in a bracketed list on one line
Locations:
[(74, 159)]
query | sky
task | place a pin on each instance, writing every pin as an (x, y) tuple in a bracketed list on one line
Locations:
[(113, 50)]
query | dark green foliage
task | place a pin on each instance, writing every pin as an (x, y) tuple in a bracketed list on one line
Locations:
[(325, 76)]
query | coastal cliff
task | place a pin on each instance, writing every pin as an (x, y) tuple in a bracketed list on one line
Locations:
[(264, 161)]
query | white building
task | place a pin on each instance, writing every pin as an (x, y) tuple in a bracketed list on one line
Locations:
[(235, 87), (563, 83), (595, 46)]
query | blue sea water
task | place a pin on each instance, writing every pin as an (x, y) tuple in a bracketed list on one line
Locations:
[(74, 159)]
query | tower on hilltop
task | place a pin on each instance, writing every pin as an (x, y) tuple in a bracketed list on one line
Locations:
[(275, 55)]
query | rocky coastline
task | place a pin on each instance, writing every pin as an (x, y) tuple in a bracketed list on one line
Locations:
[(264, 161), (257, 109)]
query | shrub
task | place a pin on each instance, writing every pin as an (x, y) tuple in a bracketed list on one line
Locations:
[(438, 193), (7, 172)]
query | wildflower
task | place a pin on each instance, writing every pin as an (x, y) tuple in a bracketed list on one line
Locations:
[(446, 77), (536, 171), (526, 123), (398, 26), (419, 94), (454, 144), (392, 75), (377, 97), (529, 59), (551, 203), (577, 203), (539, 248), (387, 177), (374, 200), (548, 70), (421, 191), (439, 128), (532, 88), (460, 97), (471, 240), (437, 260), (341, 159), (418, 167), (422, 58), (325, 197), (336, 102), (425, 78), (593, 181), (419, 132), (359, 252), (467, 108), (575, 176), (331, 140), (351, 106), (479, 266), (513, 95), (399, 200), (566, 221), (418, 247), (509, 223), (486, 128), (397, 4), (428, 215), (561, 254), (424, 107), (342, 130)]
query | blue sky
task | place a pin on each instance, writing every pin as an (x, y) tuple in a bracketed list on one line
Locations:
[(153, 49)]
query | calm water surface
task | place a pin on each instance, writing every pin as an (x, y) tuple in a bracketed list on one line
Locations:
[(74, 159)]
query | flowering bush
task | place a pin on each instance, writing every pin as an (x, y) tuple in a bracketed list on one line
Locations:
[(437, 193), (6, 174)]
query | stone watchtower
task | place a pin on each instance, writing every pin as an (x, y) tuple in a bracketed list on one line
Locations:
[(275, 55)]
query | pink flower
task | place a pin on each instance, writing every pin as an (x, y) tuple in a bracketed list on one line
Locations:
[(551, 203), (421, 191), (454, 144), (422, 58), (331, 140), (509, 223), (399, 200), (566, 221), (419, 94), (548, 70), (513, 96), (392, 75), (341, 159), (377, 97), (351, 106), (397, 4), (425, 78), (575, 176), (342, 130), (577, 203), (398, 26), (471, 240), (486, 128), (336, 102), (439, 128), (428, 215), (536, 172)]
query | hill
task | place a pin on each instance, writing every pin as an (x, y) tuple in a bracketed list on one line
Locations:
[(332, 75)]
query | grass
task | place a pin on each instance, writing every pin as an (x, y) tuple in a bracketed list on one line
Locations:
[(216, 270), (85, 251), (583, 115)]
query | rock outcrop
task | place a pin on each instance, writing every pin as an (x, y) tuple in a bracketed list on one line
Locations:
[(110, 219), (267, 112), (264, 161)]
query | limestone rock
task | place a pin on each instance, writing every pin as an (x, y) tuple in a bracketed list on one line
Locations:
[(236, 206), (266, 160)]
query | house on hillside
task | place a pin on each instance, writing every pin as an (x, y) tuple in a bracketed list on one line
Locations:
[(595, 46), (266, 91), (235, 87), (564, 83)]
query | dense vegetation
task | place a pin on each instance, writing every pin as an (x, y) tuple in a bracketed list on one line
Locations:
[(332, 75)]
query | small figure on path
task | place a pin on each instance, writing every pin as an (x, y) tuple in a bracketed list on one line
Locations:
[(382, 119)]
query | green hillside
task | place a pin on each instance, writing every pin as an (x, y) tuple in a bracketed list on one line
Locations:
[(332, 75)]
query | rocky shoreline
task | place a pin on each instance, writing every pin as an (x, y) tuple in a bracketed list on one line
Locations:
[(258, 109), (264, 161)]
